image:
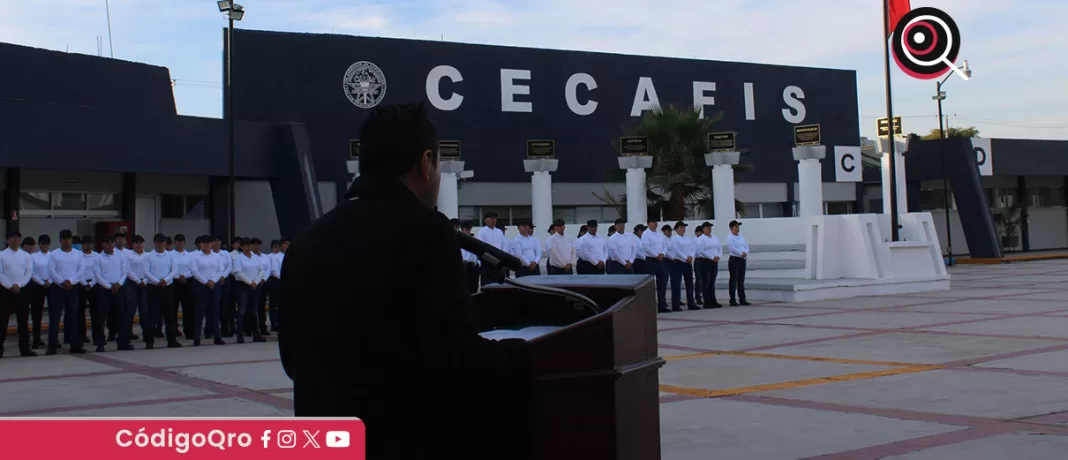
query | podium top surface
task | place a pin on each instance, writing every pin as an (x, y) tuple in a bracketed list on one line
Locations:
[(629, 282)]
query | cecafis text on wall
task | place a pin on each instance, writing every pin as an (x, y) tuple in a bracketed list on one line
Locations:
[(580, 94)]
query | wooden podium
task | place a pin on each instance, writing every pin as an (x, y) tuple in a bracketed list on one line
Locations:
[(594, 384)]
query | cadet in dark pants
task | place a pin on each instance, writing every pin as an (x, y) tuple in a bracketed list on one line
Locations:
[(37, 291), (64, 270), (207, 269), (183, 296), (111, 270), (136, 296), (739, 251), (249, 271), (160, 269), (681, 253), (17, 277), (639, 250), (85, 288), (656, 262), (698, 275), (707, 264)]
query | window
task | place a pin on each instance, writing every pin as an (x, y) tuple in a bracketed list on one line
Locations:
[(933, 199), (35, 201), (103, 201), (762, 210), (184, 207), (1047, 197), (838, 207), (64, 201)]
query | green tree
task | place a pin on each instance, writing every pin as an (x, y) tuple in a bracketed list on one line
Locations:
[(970, 131), (679, 177)]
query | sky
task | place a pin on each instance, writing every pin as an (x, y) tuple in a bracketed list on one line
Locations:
[(1014, 47)]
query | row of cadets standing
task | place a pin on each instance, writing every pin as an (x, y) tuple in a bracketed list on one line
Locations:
[(528, 249), (561, 249), (592, 251)]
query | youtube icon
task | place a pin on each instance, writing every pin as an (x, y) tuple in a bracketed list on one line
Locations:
[(337, 439)]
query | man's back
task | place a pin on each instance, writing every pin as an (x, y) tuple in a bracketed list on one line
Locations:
[(377, 324)]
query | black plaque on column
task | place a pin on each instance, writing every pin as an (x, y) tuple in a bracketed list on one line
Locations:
[(449, 150), (807, 135), (723, 142), (633, 146), (354, 149), (541, 149)]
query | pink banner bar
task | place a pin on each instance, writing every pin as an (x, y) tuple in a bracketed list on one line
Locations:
[(197, 438)]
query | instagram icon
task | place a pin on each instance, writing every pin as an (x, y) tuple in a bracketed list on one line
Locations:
[(287, 439)]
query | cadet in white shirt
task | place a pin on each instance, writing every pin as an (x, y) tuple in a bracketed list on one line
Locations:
[(64, 269), (681, 252), (225, 314), (207, 268), (87, 280), (261, 290), (135, 294), (113, 320), (561, 250), (495, 237), (620, 251), (528, 249), (471, 263), (698, 281), (160, 269), (739, 252), (592, 251), (229, 304), (273, 285), (183, 287), (112, 268), (37, 291), (249, 272), (639, 249), (706, 266), (654, 244), (16, 273)]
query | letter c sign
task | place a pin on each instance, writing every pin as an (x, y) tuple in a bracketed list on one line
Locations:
[(847, 164)]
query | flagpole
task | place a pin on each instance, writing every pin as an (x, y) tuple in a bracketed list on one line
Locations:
[(894, 236)]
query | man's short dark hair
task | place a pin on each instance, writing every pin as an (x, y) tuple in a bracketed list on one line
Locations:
[(159, 238), (394, 137), (138, 239), (256, 241), (168, 240), (120, 235), (179, 237), (28, 241), (44, 239), (66, 235), (107, 238), (87, 239), (244, 242)]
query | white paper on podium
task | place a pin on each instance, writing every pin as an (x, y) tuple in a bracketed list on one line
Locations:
[(528, 333)]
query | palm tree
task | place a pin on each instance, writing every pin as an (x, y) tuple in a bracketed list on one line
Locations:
[(678, 144)]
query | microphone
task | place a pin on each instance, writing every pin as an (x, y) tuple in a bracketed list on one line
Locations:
[(487, 253)]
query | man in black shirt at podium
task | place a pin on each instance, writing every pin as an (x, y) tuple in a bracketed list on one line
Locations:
[(378, 324)]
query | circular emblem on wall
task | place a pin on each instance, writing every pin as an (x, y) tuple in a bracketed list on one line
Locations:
[(365, 84)]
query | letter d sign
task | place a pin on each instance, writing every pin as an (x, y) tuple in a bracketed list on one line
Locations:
[(984, 155), (847, 164)]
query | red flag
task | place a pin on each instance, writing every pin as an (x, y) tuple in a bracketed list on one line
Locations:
[(898, 8)]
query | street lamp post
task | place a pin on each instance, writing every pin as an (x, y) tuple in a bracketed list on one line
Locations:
[(941, 96), (234, 12)]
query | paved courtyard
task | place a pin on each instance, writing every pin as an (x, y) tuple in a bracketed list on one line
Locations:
[(979, 372)]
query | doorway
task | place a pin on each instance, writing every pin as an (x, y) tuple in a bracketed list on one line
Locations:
[(146, 217)]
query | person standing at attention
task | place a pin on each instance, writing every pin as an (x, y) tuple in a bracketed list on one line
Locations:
[(639, 250), (471, 263), (226, 266), (183, 289), (249, 274), (494, 237), (135, 294), (85, 287), (698, 276), (739, 252), (592, 251), (16, 274), (706, 266), (38, 291), (655, 246), (64, 269), (160, 270), (561, 251), (528, 249), (207, 269), (112, 268), (680, 249), (273, 285), (620, 251)]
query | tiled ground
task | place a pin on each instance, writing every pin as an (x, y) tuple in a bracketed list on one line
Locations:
[(974, 373)]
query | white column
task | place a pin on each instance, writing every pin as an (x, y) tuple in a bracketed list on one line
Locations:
[(902, 195), (541, 190), (637, 205), (722, 164), (448, 191), (810, 179), (353, 166)]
